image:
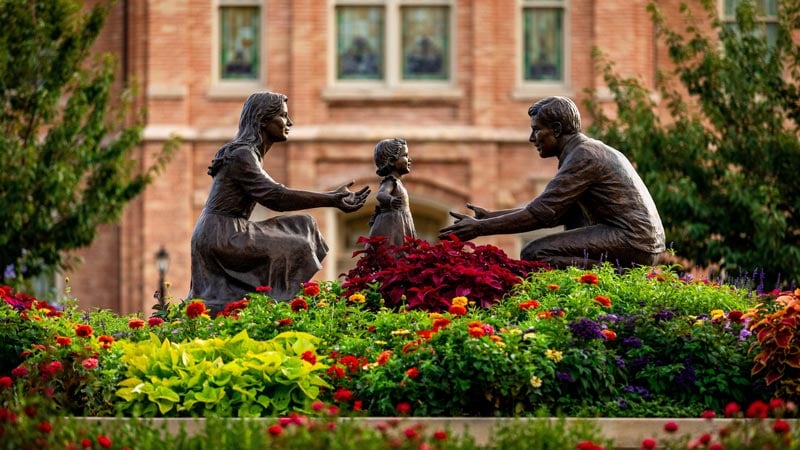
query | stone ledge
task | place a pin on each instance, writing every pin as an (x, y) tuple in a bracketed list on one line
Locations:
[(627, 433)]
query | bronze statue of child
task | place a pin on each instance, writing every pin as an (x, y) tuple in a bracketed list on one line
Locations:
[(392, 216)]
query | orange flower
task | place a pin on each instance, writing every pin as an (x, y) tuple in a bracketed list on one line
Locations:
[(589, 278), (476, 332), (383, 357), (412, 373), (603, 300), (440, 323), (457, 310), (83, 330), (528, 305), (63, 341), (135, 323), (105, 340), (610, 335), (311, 288), (553, 287)]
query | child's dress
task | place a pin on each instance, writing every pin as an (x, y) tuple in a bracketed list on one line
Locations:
[(393, 223)]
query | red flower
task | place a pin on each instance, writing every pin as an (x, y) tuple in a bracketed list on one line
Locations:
[(275, 430), (757, 409), (412, 373), (670, 427), (357, 405), (19, 371), (83, 330), (708, 414), (86, 443), (440, 322), (299, 304), (263, 289), (715, 446), (343, 395), (411, 433), (528, 305), (284, 322), (309, 356), (155, 321), (63, 341), (104, 441), (648, 444), (610, 335), (135, 323), (45, 427), (457, 310), (233, 309), (196, 309), (780, 426), (736, 316), (440, 435), (553, 287), (589, 445), (6, 382), (603, 300), (317, 405), (589, 278), (105, 341), (383, 357), (777, 403), (704, 439), (311, 288), (731, 409), (403, 408), (335, 372)]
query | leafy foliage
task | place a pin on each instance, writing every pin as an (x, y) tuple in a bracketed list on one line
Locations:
[(424, 276), (778, 344), (65, 155), (721, 169)]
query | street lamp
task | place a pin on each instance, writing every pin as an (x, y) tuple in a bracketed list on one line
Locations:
[(162, 264)]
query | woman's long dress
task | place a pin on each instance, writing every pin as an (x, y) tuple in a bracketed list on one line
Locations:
[(232, 255)]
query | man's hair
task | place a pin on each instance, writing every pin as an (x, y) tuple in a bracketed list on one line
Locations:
[(551, 110)]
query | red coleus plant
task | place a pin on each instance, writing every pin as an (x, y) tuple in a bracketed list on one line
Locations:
[(778, 342), (428, 276)]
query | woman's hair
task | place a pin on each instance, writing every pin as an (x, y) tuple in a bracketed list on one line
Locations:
[(387, 152), (258, 107), (561, 110)]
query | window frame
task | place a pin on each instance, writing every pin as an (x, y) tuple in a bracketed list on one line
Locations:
[(533, 88), (392, 85), (235, 88), (730, 20)]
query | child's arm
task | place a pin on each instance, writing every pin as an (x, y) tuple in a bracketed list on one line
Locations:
[(385, 197)]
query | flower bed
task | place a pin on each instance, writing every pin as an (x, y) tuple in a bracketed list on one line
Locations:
[(608, 342)]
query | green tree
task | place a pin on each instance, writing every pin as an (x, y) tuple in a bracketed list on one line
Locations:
[(722, 164), (67, 142)]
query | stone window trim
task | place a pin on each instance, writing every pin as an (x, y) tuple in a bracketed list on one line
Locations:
[(392, 87), (527, 89), (225, 89), (770, 21)]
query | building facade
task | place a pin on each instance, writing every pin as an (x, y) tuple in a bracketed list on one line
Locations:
[(453, 77)]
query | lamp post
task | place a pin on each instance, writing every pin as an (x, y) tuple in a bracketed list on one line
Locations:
[(162, 264)]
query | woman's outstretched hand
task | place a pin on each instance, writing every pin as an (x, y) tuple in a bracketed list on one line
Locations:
[(348, 201)]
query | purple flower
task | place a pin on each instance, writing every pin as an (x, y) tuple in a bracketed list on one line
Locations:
[(638, 390), (744, 334), (619, 362), (663, 316), (686, 377), (632, 341), (586, 329), (564, 377)]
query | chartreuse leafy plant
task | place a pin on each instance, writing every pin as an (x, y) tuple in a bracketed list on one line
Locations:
[(235, 376)]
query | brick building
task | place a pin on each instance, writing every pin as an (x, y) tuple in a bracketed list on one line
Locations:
[(453, 77)]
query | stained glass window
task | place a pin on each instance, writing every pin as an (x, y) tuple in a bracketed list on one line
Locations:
[(425, 42), (543, 46), (359, 42), (239, 42)]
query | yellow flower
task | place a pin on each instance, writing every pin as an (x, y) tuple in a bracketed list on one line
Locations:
[(400, 332), (380, 342), (553, 355), (435, 315), (717, 314), (536, 382), (357, 298), (322, 304), (460, 301), (698, 323)]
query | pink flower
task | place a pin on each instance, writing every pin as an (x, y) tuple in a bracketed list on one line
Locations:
[(89, 363)]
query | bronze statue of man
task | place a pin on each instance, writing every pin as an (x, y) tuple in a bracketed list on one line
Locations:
[(596, 194), (232, 255)]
